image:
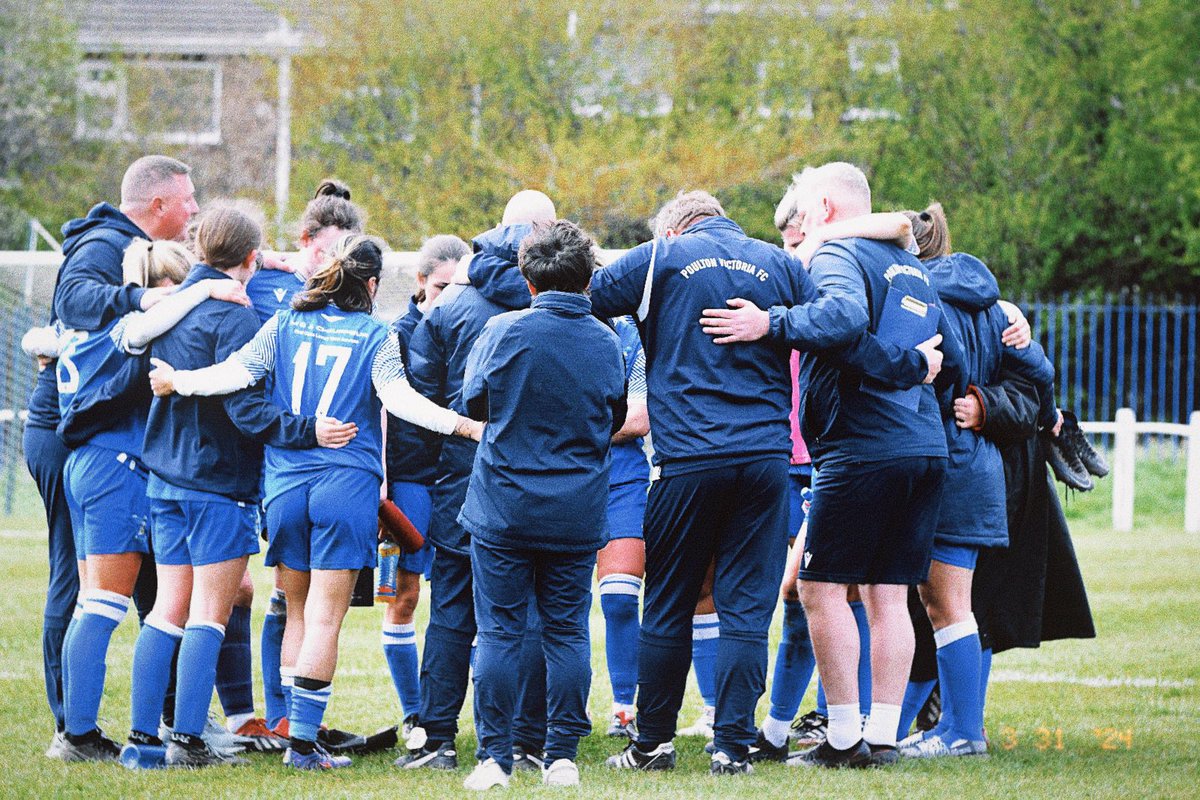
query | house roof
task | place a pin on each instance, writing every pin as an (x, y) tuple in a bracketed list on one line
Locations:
[(197, 27)]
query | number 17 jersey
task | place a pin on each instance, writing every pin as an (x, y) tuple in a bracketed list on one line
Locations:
[(326, 364)]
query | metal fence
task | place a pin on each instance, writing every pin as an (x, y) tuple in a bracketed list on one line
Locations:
[(1122, 351)]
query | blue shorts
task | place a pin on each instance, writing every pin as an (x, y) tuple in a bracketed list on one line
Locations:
[(417, 504), (626, 510), (329, 522), (956, 555), (799, 477), (200, 532), (873, 523), (106, 494)]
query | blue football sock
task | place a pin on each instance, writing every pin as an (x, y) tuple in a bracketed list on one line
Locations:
[(271, 645), (958, 659), (287, 680), (619, 602), (793, 665), (71, 627), (915, 695), (309, 699), (400, 650), (196, 675), (706, 630), (864, 657), (152, 656), (102, 613), (822, 705), (235, 680), (985, 674)]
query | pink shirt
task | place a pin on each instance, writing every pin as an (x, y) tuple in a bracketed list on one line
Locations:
[(799, 449)]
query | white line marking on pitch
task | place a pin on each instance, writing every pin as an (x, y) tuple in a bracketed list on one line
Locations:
[(1012, 676)]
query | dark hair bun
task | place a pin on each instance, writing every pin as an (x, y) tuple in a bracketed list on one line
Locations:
[(332, 187)]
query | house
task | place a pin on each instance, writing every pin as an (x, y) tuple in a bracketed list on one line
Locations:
[(207, 80)]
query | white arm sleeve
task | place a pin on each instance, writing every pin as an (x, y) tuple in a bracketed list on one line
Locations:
[(400, 399), (41, 342), (225, 378), (143, 327), (247, 366)]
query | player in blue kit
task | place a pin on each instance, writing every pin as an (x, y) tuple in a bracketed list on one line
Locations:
[(327, 217), (412, 455), (551, 384), (974, 513), (621, 563), (328, 357), (203, 495), (105, 490)]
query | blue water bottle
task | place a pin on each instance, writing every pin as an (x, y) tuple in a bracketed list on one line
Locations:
[(144, 756)]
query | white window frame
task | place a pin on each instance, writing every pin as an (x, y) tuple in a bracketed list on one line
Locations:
[(118, 89), (858, 63)]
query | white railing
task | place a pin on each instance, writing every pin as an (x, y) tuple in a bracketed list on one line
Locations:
[(1125, 430)]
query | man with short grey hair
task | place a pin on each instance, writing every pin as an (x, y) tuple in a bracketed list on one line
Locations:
[(157, 200)]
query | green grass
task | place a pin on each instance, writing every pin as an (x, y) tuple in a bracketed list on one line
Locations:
[(1144, 588)]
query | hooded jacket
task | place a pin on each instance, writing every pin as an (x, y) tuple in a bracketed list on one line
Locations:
[(550, 382), (973, 508), (89, 291), (437, 354)]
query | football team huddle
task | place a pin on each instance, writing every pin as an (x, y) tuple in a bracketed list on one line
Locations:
[(708, 427)]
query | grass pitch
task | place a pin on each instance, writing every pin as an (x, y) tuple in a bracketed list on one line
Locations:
[(1112, 717)]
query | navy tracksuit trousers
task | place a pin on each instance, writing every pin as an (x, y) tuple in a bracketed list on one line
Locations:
[(738, 514), (45, 455)]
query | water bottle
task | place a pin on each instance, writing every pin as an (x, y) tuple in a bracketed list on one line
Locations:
[(389, 562), (144, 756)]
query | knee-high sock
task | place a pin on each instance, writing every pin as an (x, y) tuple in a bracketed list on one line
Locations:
[(400, 651), (235, 667), (864, 657), (706, 630), (619, 602), (985, 674), (794, 666), (196, 675), (271, 644), (310, 697), (915, 695), (958, 660), (152, 656), (70, 633), (822, 703), (102, 613)]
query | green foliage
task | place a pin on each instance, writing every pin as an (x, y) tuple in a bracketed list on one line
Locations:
[(1062, 137)]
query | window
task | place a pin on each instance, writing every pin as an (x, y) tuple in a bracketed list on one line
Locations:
[(176, 101), (619, 75), (874, 79), (782, 75)]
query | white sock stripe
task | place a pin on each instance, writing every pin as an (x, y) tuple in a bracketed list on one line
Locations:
[(98, 608), (704, 634), (959, 630), (277, 594), (213, 626), (627, 588), (160, 623), (705, 619), (396, 629), (112, 598), (313, 694), (395, 640), (621, 577)]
